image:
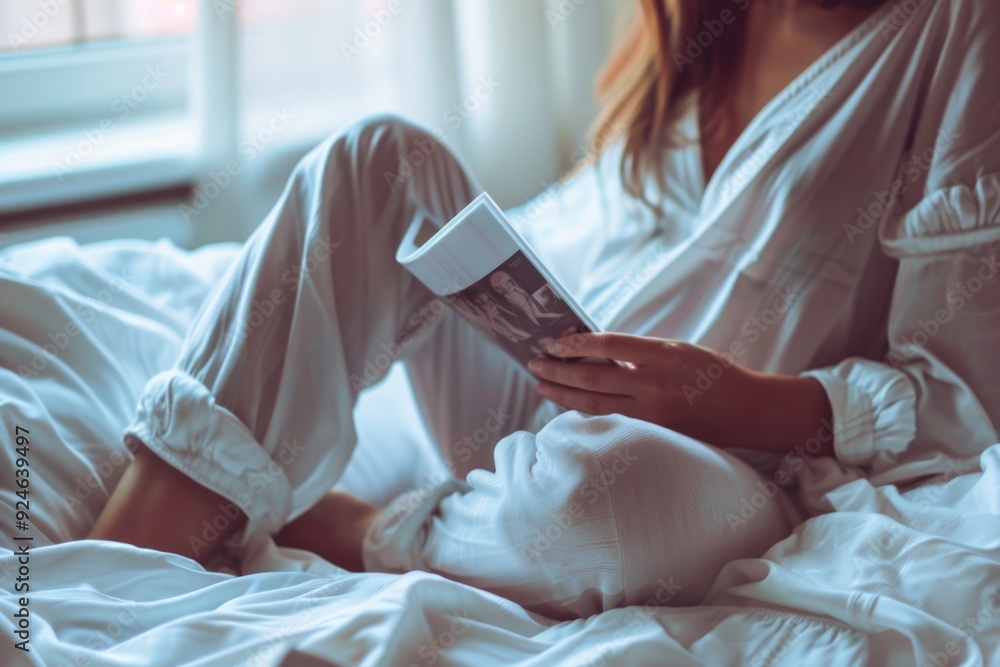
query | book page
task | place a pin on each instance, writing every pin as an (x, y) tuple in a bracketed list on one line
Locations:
[(479, 265), (518, 308)]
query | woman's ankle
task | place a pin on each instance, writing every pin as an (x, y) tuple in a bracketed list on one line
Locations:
[(156, 506), (334, 529)]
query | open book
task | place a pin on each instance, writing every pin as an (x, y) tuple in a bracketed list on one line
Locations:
[(482, 267)]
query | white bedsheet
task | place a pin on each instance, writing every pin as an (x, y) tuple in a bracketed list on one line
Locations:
[(885, 580)]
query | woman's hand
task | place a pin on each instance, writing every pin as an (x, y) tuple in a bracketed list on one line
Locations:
[(686, 388)]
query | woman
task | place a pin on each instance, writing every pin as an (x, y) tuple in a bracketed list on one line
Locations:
[(797, 230)]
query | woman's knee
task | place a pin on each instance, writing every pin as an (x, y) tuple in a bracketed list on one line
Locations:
[(638, 455), (667, 500), (371, 171), (604, 451), (384, 150)]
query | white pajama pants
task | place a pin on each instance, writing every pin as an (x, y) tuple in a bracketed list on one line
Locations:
[(566, 514)]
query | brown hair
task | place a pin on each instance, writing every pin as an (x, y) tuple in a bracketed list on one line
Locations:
[(648, 72)]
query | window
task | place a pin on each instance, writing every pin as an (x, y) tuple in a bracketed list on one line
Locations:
[(28, 24), (103, 97), (100, 98), (91, 89)]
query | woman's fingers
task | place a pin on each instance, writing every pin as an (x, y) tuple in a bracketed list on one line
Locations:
[(588, 402), (620, 347), (602, 378)]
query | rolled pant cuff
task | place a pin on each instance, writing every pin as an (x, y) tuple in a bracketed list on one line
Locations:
[(179, 420), (395, 541)]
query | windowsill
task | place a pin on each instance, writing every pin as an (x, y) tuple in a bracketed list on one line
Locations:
[(158, 151), (86, 163)]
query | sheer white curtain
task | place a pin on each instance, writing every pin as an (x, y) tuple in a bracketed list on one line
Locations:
[(507, 82), (545, 53)]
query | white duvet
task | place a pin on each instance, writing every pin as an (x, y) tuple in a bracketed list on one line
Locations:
[(883, 580)]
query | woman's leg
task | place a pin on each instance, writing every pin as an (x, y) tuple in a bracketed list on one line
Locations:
[(588, 514), (254, 424), (471, 395)]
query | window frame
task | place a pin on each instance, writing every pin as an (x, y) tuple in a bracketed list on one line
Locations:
[(196, 102), (36, 85)]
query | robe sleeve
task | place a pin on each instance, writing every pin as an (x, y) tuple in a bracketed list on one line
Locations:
[(934, 399)]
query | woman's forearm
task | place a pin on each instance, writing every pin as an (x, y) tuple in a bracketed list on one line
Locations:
[(785, 412), (690, 389)]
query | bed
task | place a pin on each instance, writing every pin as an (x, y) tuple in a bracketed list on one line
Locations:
[(883, 579)]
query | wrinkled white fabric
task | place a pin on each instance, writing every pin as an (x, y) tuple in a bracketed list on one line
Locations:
[(82, 332), (889, 580), (895, 300), (92, 324), (771, 254), (104, 604), (590, 513), (259, 408)]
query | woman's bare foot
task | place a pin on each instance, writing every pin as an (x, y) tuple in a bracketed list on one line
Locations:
[(334, 529), (158, 507)]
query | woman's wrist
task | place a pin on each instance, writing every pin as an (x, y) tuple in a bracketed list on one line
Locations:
[(783, 412)]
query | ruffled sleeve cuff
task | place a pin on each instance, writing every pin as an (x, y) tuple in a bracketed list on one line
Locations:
[(179, 420), (873, 409), (948, 219)]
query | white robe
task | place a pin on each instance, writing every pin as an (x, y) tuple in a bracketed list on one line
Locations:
[(869, 192)]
